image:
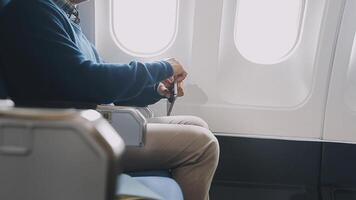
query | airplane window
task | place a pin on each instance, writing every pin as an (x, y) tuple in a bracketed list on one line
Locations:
[(268, 31), (145, 28)]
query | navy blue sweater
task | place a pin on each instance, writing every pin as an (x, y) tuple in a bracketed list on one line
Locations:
[(45, 57)]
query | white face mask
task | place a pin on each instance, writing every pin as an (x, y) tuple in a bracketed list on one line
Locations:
[(70, 9)]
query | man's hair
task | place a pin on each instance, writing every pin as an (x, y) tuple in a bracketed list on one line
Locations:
[(70, 9)]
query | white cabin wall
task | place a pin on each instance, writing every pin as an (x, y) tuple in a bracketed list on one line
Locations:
[(286, 100), (341, 108), (303, 119), (112, 52)]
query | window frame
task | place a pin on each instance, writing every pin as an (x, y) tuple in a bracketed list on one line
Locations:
[(298, 39), (129, 52)]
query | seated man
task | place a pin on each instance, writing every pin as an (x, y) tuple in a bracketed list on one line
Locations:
[(46, 58)]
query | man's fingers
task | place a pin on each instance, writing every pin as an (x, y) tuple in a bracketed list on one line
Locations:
[(180, 89), (180, 92), (181, 77), (169, 82), (163, 90), (179, 72), (166, 83)]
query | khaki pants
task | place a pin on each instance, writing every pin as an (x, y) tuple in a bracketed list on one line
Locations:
[(183, 144)]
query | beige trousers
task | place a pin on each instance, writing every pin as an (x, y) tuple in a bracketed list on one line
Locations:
[(183, 144)]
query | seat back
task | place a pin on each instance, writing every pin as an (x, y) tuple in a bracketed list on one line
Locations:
[(57, 154)]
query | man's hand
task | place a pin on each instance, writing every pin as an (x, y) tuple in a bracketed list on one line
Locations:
[(181, 89), (179, 72), (163, 90), (166, 86)]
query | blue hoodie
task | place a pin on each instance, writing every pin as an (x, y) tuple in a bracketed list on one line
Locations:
[(46, 57)]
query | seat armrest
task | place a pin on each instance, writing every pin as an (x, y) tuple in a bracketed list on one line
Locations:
[(6, 103), (146, 112), (129, 122)]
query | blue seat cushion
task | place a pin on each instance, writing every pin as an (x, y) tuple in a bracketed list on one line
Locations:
[(166, 187)]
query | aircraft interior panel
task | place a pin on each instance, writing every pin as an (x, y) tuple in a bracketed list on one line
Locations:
[(254, 97), (340, 114), (269, 84), (109, 36), (284, 97)]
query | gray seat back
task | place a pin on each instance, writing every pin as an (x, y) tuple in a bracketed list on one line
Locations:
[(57, 154)]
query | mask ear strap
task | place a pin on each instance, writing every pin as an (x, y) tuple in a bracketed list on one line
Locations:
[(75, 13)]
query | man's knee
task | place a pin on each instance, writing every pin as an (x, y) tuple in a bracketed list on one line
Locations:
[(211, 143), (214, 149), (197, 121)]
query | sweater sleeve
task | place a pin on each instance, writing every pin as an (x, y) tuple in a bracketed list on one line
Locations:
[(63, 71), (147, 97)]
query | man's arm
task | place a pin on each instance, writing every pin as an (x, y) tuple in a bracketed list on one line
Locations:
[(147, 97), (55, 68)]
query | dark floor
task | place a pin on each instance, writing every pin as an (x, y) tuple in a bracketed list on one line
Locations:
[(286, 170), (233, 191)]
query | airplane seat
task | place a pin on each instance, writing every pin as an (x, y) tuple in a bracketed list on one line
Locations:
[(41, 156), (33, 157), (161, 182), (58, 154), (131, 122)]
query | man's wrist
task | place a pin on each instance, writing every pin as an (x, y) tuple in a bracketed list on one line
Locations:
[(157, 91), (169, 67)]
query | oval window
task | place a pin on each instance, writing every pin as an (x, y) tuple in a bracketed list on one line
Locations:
[(145, 27), (266, 31)]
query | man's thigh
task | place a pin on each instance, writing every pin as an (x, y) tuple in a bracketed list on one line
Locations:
[(182, 120), (167, 146)]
